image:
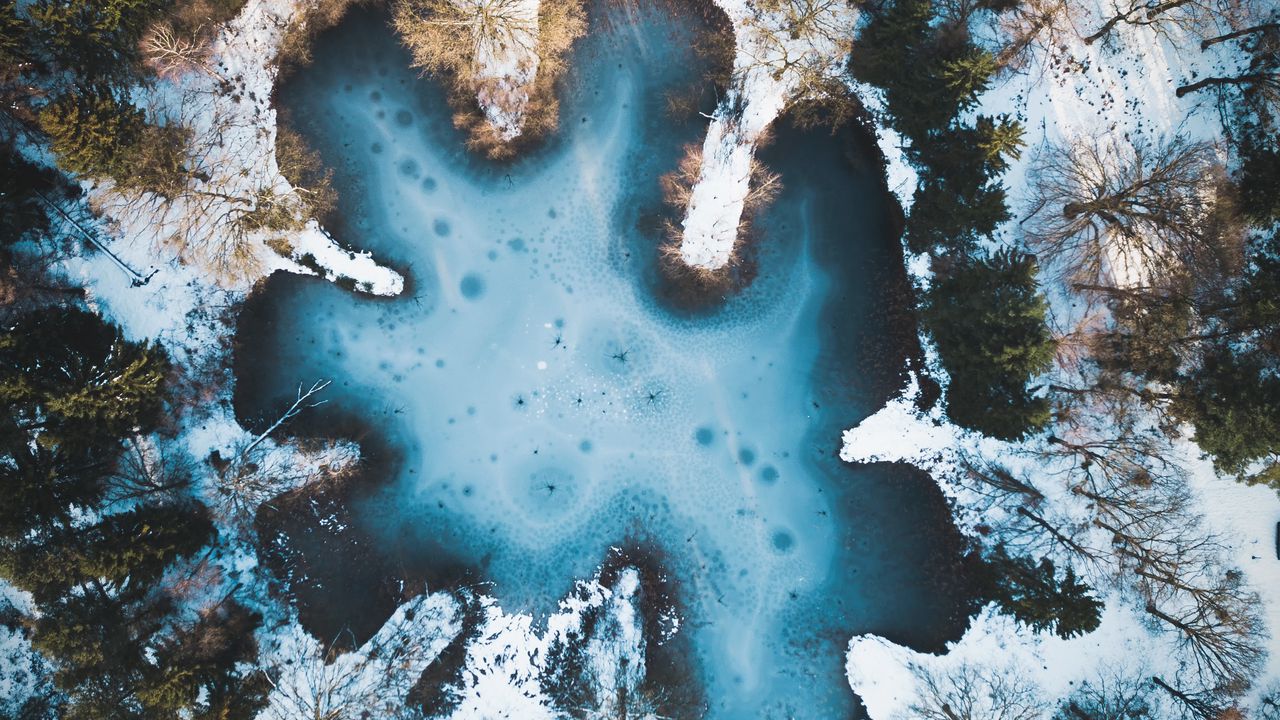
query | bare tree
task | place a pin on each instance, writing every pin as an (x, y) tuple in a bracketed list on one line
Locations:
[(1160, 15), (976, 692), (1262, 27), (455, 36), (1149, 539), (1259, 79), (1196, 704), (1034, 29), (314, 682), (997, 482), (214, 210), (777, 26), (258, 471), (677, 189), (1105, 209), (1113, 693), (148, 468), (173, 54), (1220, 627), (300, 403)]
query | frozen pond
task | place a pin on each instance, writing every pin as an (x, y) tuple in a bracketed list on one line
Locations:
[(544, 404)]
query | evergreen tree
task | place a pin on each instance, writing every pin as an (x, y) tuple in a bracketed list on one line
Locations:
[(97, 644), (953, 215), (967, 76), (1034, 594), (988, 319), (21, 212), (204, 657), (45, 484), (1260, 178), (14, 47), (133, 548), (925, 80), (972, 154), (932, 72), (959, 198), (894, 31), (70, 377), (1233, 400), (93, 134), (96, 40), (121, 552)]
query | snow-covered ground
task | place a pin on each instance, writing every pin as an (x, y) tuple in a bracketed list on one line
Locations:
[(781, 50), (507, 66), (1121, 87), (209, 227)]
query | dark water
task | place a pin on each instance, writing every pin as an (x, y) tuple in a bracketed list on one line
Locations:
[(534, 402)]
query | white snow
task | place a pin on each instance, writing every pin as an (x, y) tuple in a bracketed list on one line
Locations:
[(883, 674), (371, 681), (888, 677), (23, 672), (770, 68), (505, 664), (900, 176)]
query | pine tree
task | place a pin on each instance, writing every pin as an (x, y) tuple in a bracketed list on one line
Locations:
[(894, 31), (93, 134), (1260, 178), (46, 483), (14, 44), (22, 214), (75, 389), (133, 548), (988, 319), (68, 375), (971, 155), (968, 76), (1000, 139), (1032, 593), (953, 214), (96, 643), (97, 40), (1233, 401), (203, 657)]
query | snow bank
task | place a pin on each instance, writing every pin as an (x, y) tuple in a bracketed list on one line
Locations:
[(507, 663), (888, 677), (770, 68), (245, 52), (901, 178), (370, 682), (506, 68), (1242, 518)]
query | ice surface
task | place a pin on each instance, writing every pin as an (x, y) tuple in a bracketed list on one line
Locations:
[(547, 407)]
